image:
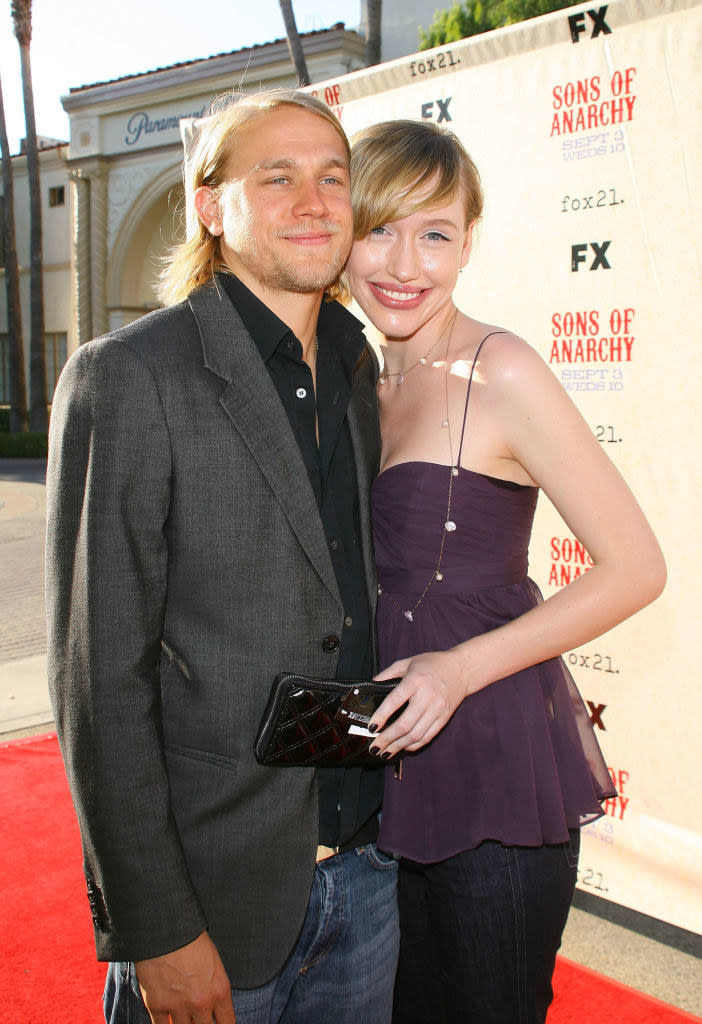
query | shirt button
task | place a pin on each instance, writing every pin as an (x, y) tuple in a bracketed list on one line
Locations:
[(301, 392), (348, 621), (331, 644), (334, 544)]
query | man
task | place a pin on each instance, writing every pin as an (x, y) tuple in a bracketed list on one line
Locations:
[(208, 527)]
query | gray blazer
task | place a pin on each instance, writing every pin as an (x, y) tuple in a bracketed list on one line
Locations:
[(186, 566)]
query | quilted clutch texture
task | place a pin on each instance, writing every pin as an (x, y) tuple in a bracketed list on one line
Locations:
[(310, 722)]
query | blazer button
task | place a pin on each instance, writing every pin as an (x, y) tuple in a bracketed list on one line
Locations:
[(331, 644)]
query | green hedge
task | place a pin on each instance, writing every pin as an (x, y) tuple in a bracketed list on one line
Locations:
[(27, 445)]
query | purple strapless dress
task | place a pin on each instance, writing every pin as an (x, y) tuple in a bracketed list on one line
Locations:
[(518, 762)]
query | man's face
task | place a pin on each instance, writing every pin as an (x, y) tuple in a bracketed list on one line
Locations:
[(285, 210)]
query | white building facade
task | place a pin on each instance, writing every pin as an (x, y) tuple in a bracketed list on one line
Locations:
[(56, 221)]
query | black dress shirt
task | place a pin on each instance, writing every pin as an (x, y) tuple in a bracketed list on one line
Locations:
[(349, 798)]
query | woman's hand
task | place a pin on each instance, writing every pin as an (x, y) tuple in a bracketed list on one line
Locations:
[(432, 687)]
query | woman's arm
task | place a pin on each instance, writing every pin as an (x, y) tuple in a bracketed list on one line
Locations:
[(545, 433)]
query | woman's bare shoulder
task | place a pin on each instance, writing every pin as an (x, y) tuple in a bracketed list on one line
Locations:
[(502, 352)]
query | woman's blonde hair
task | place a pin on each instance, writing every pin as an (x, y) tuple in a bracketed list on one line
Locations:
[(393, 163), (196, 260)]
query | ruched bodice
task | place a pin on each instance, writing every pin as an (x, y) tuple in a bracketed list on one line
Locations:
[(483, 551), (518, 761)]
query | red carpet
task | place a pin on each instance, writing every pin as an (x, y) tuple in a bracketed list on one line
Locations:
[(49, 974), (582, 996)]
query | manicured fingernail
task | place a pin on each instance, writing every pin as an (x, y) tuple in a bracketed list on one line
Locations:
[(374, 750), (372, 727), (385, 756)]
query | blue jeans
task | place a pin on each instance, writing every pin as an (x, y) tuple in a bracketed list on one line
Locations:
[(342, 968), (479, 934)]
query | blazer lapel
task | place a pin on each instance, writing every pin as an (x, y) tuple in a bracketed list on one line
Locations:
[(365, 437), (252, 403)]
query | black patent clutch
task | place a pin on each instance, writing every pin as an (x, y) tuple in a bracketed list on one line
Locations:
[(311, 722)]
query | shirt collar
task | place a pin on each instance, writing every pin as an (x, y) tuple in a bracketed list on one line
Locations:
[(266, 329), (335, 326)]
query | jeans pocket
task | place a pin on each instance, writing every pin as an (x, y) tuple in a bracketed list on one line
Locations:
[(379, 860), (571, 848)]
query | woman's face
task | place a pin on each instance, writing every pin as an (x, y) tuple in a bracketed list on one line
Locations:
[(403, 274)]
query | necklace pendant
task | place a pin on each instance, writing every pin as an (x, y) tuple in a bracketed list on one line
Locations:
[(444, 423), (450, 525), (423, 360), (408, 615), (402, 377), (454, 470), (438, 576)]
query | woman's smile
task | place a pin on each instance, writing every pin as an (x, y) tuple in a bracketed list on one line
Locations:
[(398, 296)]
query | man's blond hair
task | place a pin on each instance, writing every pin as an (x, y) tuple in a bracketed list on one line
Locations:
[(196, 260)]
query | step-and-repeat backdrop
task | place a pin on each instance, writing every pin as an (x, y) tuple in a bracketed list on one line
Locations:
[(585, 125)]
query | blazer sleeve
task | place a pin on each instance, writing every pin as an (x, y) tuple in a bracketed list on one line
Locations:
[(108, 488)]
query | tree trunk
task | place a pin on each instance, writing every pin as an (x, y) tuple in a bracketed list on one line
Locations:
[(373, 39), (294, 44), (38, 401), (18, 381)]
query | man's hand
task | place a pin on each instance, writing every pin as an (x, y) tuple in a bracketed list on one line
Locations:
[(187, 986), (432, 687)]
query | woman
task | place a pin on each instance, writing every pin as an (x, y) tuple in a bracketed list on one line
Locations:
[(501, 765)]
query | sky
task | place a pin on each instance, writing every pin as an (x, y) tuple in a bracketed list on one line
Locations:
[(78, 42)]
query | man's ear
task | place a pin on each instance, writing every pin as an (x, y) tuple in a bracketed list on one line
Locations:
[(207, 209)]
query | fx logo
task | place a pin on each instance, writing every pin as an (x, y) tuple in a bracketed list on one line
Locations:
[(576, 23), (596, 713), (428, 110), (578, 256)]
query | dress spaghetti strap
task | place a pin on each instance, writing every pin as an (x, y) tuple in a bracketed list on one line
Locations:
[(470, 381)]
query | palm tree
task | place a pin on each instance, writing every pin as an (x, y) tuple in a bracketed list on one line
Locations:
[(18, 384), (374, 9), (294, 44), (38, 414)]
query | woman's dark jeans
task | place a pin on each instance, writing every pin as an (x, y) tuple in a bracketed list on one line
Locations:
[(479, 934)]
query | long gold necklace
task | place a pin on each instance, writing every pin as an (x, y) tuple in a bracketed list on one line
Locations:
[(449, 525)]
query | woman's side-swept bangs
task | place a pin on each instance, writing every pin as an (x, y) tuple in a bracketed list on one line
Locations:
[(401, 167)]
